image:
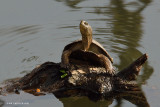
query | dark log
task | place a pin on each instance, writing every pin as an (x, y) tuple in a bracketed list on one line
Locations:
[(132, 71), (81, 80)]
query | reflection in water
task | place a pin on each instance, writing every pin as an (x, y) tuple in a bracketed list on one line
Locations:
[(83, 102), (127, 31), (71, 3), (125, 22), (135, 97)]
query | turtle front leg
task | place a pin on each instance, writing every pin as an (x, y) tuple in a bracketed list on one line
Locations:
[(107, 64), (65, 59)]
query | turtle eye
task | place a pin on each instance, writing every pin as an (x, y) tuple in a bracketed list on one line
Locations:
[(85, 23)]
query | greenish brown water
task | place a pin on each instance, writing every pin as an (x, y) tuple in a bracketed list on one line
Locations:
[(35, 31)]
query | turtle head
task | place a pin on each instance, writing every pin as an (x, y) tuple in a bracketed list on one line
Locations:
[(86, 31)]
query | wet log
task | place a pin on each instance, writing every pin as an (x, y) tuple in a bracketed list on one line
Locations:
[(81, 80), (132, 71), (49, 77)]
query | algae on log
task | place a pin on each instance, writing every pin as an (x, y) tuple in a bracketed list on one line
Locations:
[(82, 80)]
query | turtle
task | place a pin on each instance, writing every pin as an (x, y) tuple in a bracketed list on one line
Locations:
[(87, 44)]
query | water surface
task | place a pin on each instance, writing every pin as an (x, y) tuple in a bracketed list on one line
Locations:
[(35, 31)]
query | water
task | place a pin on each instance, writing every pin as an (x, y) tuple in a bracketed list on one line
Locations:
[(35, 31)]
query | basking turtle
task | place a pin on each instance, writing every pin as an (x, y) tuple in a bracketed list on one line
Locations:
[(87, 44)]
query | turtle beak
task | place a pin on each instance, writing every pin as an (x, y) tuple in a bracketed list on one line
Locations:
[(83, 23)]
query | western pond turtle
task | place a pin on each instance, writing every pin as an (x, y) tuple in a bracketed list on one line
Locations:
[(87, 44)]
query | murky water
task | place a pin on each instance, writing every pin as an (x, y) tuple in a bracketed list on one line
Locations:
[(35, 31)]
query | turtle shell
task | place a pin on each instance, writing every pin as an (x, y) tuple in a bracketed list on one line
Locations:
[(95, 47), (82, 57)]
